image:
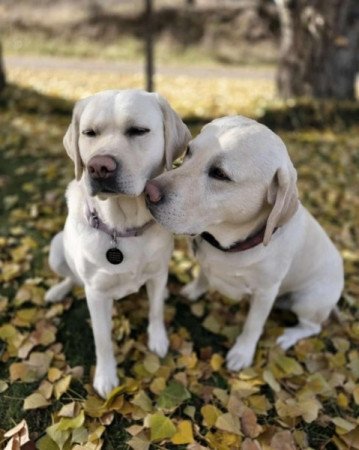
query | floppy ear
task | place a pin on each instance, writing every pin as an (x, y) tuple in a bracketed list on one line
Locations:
[(71, 138), (284, 194), (176, 133)]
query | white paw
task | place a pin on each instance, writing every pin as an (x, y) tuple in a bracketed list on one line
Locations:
[(105, 380), (294, 334), (157, 340), (239, 357), (287, 339), (55, 294), (192, 291)]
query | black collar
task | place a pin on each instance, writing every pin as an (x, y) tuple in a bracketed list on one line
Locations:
[(239, 246)]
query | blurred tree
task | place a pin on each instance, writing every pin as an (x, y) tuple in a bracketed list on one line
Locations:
[(2, 71), (319, 55), (149, 46)]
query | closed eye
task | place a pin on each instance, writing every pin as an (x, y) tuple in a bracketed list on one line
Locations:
[(218, 174), (136, 131), (89, 132)]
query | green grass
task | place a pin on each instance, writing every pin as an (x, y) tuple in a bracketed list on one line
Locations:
[(120, 49), (35, 43)]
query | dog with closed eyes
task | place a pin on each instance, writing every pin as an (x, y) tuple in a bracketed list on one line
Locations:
[(110, 243), (236, 193)]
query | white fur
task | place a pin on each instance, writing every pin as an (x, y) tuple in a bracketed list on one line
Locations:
[(78, 252), (296, 257)]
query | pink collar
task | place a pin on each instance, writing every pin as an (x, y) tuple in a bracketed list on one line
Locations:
[(95, 221)]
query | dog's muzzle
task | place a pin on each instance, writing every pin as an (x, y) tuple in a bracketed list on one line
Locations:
[(102, 171), (154, 194)]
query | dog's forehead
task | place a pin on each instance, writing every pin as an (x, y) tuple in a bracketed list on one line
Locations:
[(220, 139), (123, 107), (137, 105), (249, 138), (240, 135)]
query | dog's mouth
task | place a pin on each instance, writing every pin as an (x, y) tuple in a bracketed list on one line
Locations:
[(103, 195), (110, 189), (97, 189)]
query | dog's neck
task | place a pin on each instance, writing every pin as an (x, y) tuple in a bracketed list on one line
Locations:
[(226, 233), (122, 212)]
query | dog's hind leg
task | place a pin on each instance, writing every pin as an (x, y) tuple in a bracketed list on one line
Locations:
[(58, 264), (195, 288), (59, 291), (311, 311), (294, 334)]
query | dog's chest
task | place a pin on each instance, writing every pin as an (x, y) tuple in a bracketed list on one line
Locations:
[(224, 277), (233, 275), (143, 257), (120, 285), (231, 283)]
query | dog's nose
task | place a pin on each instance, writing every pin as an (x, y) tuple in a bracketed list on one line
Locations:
[(101, 167), (153, 192)]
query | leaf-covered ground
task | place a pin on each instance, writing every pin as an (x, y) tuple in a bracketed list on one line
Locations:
[(305, 398)]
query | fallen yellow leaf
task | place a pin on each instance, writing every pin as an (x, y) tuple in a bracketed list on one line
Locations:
[(184, 434), (35, 401)]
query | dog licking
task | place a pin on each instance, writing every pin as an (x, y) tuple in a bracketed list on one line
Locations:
[(235, 196)]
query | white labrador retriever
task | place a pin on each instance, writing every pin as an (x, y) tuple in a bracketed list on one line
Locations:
[(110, 243), (236, 191)]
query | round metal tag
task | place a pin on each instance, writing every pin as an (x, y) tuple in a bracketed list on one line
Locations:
[(114, 256)]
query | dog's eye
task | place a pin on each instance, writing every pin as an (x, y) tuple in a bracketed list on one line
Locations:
[(218, 174), (89, 132), (136, 131)]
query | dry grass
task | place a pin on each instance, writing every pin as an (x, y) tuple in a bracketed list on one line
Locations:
[(192, 97)]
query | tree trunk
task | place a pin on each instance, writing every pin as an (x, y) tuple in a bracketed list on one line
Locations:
[(2, 72), (319, 55), (149, 46)]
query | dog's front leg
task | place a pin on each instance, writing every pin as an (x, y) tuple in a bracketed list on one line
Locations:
[(242, 353), (157, 335), (100, 307)]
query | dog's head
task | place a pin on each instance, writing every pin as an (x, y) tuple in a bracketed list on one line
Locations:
[(120, 139), (236, 173)]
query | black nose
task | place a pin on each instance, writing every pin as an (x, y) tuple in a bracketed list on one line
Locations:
[(101, 167), (153, 192)]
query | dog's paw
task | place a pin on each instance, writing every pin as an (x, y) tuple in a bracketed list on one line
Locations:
[(157, 340), (105, 380), (59, 291), (192, 291), (239, 357), (294, 334)]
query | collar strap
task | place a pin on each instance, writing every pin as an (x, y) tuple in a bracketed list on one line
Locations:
[(239, 246), (95, 222)]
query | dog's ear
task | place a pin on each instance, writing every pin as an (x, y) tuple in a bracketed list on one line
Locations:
[(176, 133), (71, 138), (283, 195)]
